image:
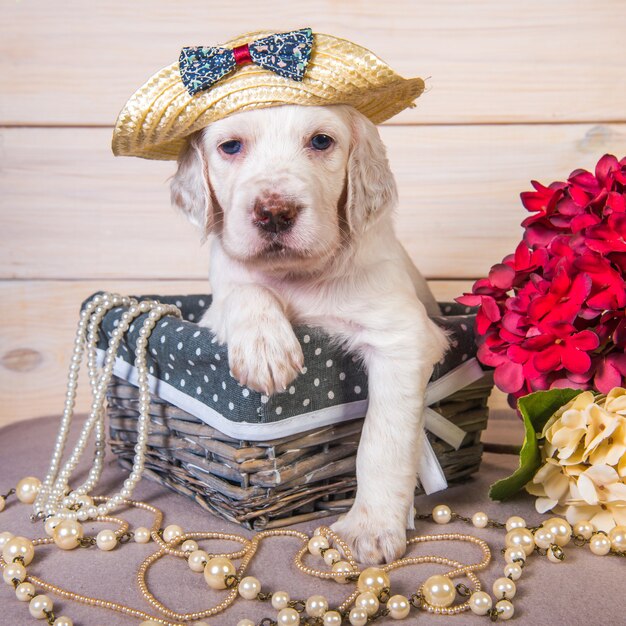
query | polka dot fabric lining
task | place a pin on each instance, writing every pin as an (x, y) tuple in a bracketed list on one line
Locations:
[(188, 357)]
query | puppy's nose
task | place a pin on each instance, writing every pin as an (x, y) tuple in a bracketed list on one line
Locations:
[(274, 214)]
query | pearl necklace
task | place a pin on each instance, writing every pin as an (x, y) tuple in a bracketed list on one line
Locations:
[(370, 600), (62, 510), (55, 498)]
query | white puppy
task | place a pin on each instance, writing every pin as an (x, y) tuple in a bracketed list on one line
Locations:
[(297, 201)]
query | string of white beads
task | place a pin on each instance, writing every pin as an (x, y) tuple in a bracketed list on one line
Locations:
[(600, 544), (54, 496), (480, 519), (442, 514), (27, 489), (142, 534), (249, 587)]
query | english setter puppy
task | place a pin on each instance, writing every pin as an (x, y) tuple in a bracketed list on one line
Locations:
[(297, 202)]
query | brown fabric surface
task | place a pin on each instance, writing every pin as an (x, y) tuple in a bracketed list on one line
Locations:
[(584, 590)]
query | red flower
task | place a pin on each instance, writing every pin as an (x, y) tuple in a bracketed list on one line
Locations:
[(517, 266), (613, 328), (608, 288), (488, 311), (492, 351), (543, 199), (564, 298), (610, 372), (509, 377), (559, 346), (608, 236), (553, 313)]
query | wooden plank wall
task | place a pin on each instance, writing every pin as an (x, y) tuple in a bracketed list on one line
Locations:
[(515, 91)]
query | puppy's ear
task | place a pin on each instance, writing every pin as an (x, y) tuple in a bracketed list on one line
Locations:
[(189, 188), (371, 187)]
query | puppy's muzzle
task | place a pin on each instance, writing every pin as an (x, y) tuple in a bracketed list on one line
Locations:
[(274, 213)]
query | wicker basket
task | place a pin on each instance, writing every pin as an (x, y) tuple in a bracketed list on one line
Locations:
[(266, 461), (274, 483)]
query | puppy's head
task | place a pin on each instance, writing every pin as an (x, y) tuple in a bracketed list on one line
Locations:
[(286, 187)]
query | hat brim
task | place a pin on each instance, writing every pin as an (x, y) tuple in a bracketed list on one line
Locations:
[(160, 115)]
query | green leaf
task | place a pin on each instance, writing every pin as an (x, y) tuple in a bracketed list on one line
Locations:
[(536, 409)]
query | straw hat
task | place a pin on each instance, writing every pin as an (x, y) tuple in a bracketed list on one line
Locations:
[(159, 116)]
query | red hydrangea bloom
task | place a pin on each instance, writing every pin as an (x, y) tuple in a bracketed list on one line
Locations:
[(553, 313)]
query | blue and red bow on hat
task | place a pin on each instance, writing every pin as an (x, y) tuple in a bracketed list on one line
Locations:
[(286, 54)]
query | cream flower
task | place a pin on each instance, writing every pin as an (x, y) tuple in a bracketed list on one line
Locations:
[(583, 475), (602, 516), (601, 483), (566, 435), (578, 403), (611, 448), (567, 428), (551, 486), (574, 471), (601, 425), (616, 401), (621, 467)]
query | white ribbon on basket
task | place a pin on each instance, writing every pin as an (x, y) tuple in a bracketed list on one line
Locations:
[(429, 469)]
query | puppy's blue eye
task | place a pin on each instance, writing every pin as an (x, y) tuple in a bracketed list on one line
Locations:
[(321, 142), (231, 147)]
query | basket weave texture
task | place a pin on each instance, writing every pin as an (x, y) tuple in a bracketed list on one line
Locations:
[(274, 483)]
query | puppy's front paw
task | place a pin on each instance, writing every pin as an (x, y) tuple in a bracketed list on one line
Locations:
[(266, 358), (373, 538)]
